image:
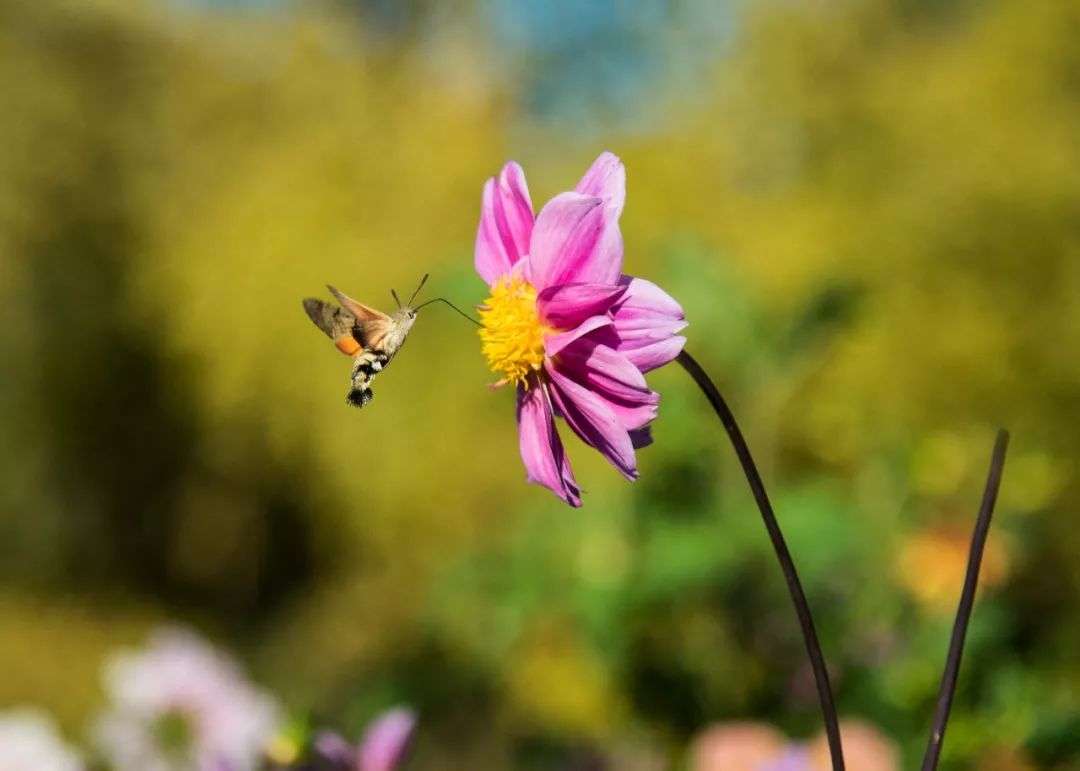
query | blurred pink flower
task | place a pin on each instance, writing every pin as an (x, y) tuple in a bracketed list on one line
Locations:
[(382, 749), (386, 740), (865, 749), (759, 747), (566, 326), (29, 742), (736, 747), (180, 704)]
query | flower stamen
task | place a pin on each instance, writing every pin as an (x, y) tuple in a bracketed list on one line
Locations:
[(512, 335)]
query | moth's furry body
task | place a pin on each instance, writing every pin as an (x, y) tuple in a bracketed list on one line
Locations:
[(369, 336)]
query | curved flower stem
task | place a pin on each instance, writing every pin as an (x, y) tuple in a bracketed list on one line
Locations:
[(967, 603), (798, 597)]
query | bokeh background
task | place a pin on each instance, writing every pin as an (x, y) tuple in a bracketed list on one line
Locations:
[(869, 209)]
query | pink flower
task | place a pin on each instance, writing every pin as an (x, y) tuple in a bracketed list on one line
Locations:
[(180, 704), (382, 749), (737, 747), (566, 326), (759, 747)]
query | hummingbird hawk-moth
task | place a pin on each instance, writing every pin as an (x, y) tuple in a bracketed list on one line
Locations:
[(370, 337)]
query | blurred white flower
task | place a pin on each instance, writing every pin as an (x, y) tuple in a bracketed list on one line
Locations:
[(180, 705), (28, 740)]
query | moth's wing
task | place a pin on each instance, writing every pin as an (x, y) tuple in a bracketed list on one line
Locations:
[(331, 319), (337, 323), (373, 325)]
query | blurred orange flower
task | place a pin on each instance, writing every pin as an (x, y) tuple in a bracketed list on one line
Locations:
[(930, 565)]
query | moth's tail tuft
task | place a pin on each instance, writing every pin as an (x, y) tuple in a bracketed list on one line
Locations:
[(358, 397)]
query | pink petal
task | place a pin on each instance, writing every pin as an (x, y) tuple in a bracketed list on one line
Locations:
[(541, 449), (594, 421), (650, 357), (643, 331), (647, 298), (576, 241), (567, 305), (606, 179), (491, 257), (554, 343), (506, 223), (386, 740), (612, 376), (647, 322), (516, 207)]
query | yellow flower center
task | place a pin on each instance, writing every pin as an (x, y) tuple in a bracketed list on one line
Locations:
[(512, 335)]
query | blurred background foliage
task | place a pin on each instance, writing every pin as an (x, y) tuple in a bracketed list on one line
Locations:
[(869, 209)]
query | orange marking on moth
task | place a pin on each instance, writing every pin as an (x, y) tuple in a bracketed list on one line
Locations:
[(348, 346)]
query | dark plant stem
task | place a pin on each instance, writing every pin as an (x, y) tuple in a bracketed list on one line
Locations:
[(798, 597), (967, 603)]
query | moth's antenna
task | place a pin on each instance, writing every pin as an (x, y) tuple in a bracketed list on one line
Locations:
[(394, 295), (418, 288), (442, 300)]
